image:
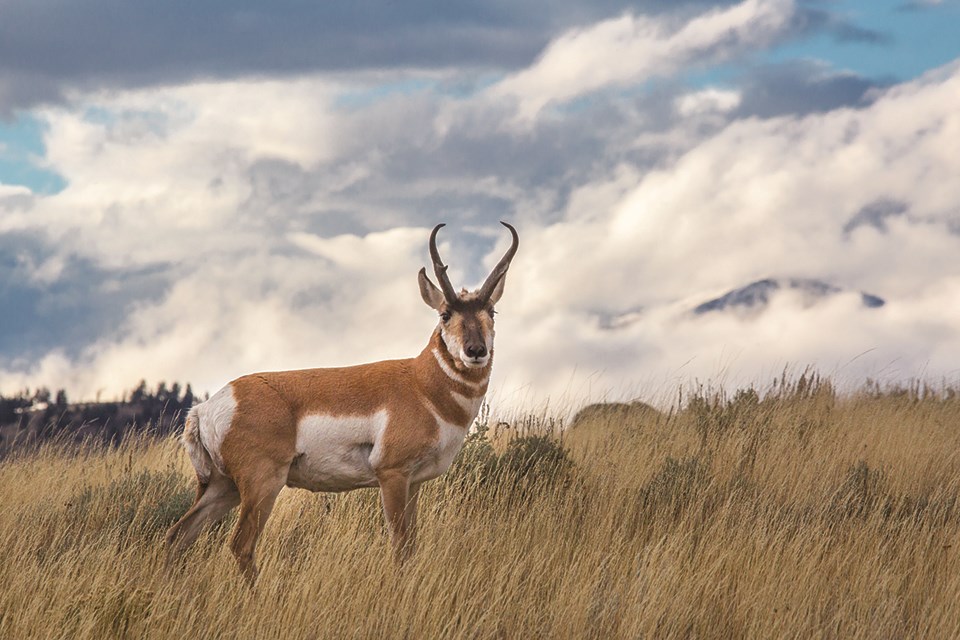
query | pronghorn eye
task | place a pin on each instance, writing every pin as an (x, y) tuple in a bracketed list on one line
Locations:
[(445, 316)]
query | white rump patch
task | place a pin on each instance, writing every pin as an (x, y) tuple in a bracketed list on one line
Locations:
[(216, 416)]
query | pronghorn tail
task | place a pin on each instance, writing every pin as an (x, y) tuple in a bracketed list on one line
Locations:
[(199, 455)]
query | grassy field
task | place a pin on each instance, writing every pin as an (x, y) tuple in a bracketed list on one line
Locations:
[(793, 512)]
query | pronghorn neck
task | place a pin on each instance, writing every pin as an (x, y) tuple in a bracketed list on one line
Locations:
[(452, 395)]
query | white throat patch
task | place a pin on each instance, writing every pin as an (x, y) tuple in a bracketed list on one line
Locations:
[(451, 373)]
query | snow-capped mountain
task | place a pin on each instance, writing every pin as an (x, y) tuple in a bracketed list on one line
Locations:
[(756, 295)]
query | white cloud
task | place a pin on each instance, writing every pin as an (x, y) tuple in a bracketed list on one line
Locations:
[(763, 198), (7, 190), (153, 170), (233, 189), (707, 101), (631, 49)]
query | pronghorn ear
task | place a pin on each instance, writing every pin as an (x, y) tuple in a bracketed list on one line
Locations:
[(429, 292), (498, 289)]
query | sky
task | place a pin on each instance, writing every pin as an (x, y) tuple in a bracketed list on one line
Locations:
[(195, 191)]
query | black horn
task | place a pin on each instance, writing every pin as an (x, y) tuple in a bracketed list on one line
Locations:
[(441, 269), (501, 269)]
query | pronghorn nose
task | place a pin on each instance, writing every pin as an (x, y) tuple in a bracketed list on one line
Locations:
[(476, 351)]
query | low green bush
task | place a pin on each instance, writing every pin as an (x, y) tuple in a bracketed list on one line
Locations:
[(532, 459)]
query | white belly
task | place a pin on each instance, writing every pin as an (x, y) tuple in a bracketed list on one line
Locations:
[(337, 453), (340, 453)]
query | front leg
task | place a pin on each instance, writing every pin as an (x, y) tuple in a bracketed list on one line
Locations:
[(395, 493), (410, 515)]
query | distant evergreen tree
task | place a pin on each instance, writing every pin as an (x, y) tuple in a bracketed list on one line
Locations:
[(140, 393), (41, 396), (187, 398)]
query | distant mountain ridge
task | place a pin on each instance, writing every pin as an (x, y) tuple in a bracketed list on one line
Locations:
[(757, 295)]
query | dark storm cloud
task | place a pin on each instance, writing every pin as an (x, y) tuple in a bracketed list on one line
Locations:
[(810, 19), (83, 303), (876, 214), (473, 169), (849, 32), (919, 5), (47, 47), (801, 87)]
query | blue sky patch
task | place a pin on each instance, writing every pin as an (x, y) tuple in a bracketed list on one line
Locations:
[(915, 40), (21, 156)]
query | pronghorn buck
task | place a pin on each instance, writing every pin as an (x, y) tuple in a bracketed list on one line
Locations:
[(392, 424)]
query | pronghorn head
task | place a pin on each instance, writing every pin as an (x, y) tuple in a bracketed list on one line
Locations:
[(466, 318)]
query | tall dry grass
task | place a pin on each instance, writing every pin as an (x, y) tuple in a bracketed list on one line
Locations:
[(794, 513)]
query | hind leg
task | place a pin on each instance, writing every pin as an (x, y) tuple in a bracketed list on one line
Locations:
[(213, 502), (258, 494)]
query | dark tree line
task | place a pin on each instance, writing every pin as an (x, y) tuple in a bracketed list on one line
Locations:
[(32, 417)]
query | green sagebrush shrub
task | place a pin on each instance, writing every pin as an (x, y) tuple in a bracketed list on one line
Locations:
[(532, 459)]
